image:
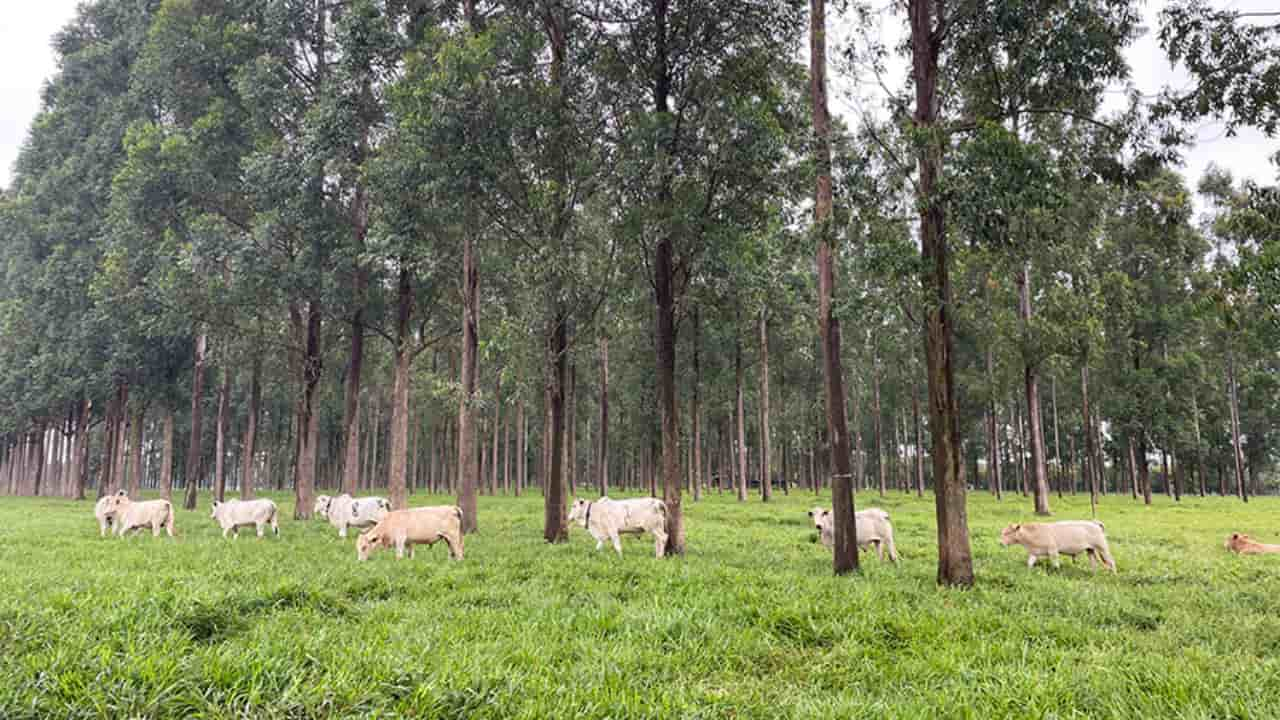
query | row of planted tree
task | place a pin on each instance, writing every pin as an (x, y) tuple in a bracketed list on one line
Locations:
[(489, 246)]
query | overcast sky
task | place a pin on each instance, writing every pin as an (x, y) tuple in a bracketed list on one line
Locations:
[(27, 61)]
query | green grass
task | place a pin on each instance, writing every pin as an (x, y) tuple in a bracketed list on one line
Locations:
[(750, 624)]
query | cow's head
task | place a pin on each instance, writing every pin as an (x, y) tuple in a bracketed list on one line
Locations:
[(1009, 535), (322, 506), (578, 511), (822, 519), (367, 542), (214, 512)]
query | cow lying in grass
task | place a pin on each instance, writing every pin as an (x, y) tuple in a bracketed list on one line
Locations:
[(105, 512), (606, 519), (131, 515), (235, 514), (414, 526), (345, 511), (1050, 540), (1245, 545), (872, 528)]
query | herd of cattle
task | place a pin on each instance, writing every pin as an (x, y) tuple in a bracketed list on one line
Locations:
[(605, 519)]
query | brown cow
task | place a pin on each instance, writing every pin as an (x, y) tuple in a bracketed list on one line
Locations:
[(1245, 545)]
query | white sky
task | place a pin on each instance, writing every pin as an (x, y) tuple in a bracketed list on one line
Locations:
[(27, 61)]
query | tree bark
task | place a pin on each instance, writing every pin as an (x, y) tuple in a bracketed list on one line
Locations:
[(1234, 409), (604, 416), (877, 420), (1094, 473), (555, 527), (397, 479), (197, 401), (135, 450), (468, 465), (766, 481), (955, 563), (742, 419), (80, 449), (166, 454), (1031, 384), (220, 440), (308, 415), (695, 412), (845, 551), (497, 426), (249, 449)]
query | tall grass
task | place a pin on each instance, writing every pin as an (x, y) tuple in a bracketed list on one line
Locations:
[(750, 624)]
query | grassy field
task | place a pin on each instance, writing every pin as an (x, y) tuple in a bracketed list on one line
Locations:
[(750, 624)]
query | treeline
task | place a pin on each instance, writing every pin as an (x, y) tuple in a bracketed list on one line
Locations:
[(484, 247)]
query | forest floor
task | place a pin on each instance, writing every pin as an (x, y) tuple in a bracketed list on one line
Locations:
[(750, 624)]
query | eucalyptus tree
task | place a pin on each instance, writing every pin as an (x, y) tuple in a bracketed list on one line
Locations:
[(698, 137)]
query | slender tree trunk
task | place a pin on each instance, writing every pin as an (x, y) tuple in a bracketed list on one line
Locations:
[(1094, 472), (397, 480), (955, 563), (80, 449), (1057, 444), (555, 528), (742, 419), (695, 412), (1234, 408), (766, 481), (506, 457), (1199, 457), (604, 416), (249, 449), (1030, 379), (497, 425), (522, 448), (845, 552), (166, 453), (570, 431), (878, 418), (308, 416), (468, 467), (220, 439), (135, 450), (915, 417), (197, 401)]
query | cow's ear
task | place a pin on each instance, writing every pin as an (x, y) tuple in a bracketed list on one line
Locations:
[(810, 513), (1017, 526)]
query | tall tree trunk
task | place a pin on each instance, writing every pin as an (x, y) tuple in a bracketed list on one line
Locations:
[(555, 526), (506, 457), (878, 419), (468, 467), (249, 448), (915, 417), (497, 426), (397, 479), (135, 450), (1199, 457), (1094, 472), (522, 447), (1057, 444), (1144, 470), (351, 399), (604, 415), (308, 416), (571, 431), (845, 551), (197, 402), (955, 563), (220, 440), (1234, 409), (766, 481), (742, 418), (166, 454), (1030, 380), (80, 449), (695, 410)]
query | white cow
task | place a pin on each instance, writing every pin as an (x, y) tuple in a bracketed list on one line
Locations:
[(105, 512), (131, 515), (1069, 537), (345, 511), (415, 526), (872, 527), (235, 514), (606, 519)]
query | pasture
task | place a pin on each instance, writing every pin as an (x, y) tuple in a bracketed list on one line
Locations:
[(750, 624)]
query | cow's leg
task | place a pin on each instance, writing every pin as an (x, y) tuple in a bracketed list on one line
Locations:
[(410, 546), (400, 548), (155, 528), (599, 544), (617, 542), (879, 549), (262, 529), (455, 546), (1093, 560), (1053, 556), (342, 530), (1031, 560)]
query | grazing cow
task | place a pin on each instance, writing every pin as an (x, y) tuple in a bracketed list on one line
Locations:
[(871, 525), (105, 512), (414, 526), (606, 519), (131, 515), (235, 514), (1245, 545), (1070, 537), (321, 509), (345, 511)]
